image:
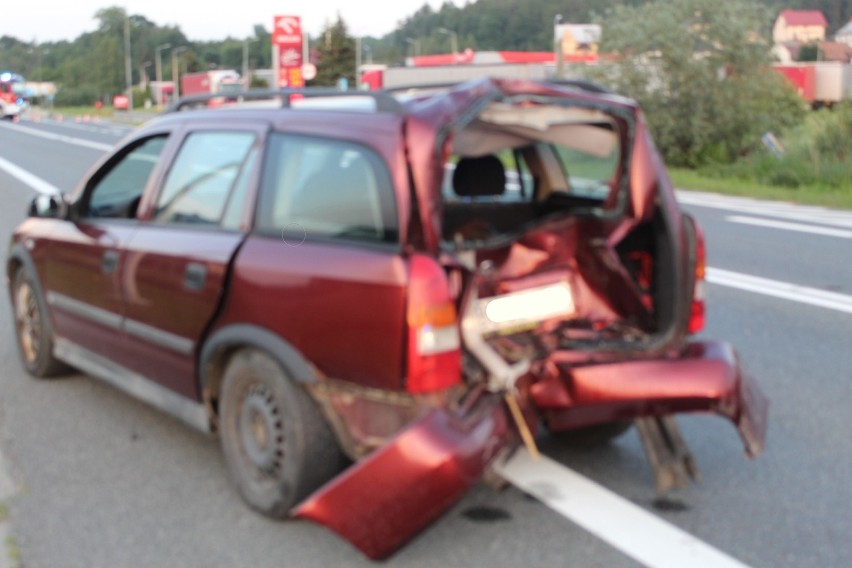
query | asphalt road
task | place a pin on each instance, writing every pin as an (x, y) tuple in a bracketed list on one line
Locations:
[(103, 480)]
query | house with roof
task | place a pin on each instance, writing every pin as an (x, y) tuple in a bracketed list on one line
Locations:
[(803, 26), (844, 34)]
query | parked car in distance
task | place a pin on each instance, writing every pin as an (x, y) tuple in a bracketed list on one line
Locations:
[(413, 282)]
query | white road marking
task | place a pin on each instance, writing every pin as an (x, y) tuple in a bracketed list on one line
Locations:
[(58, 137), (787, 226), (112, 129), (26, 177), (631, 529), (780, 210), (784, 290)]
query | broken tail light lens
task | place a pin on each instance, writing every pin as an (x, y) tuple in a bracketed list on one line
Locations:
[(696, 315), (434, 343)]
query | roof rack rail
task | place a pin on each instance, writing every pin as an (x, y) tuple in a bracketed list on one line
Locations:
[(384, 101), (583, 85)]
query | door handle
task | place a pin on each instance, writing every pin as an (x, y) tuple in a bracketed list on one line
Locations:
[(110, 261), (195, 276)]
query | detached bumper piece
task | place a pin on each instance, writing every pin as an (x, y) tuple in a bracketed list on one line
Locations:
[(387, 498), (705, 376)]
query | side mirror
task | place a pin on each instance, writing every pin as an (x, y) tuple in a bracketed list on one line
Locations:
[(49, 206)]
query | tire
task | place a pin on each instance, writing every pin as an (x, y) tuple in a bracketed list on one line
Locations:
[(592, 437), (277, 444), (32, 328)]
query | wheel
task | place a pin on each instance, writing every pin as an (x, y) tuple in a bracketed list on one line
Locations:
[(32, 328), (592, 436), (276, 442)]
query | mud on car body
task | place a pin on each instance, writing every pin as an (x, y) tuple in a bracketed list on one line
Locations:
[(414, 283)]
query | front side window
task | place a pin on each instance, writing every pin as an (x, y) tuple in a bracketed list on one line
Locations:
[(326, 188), (202, 177), (116, 193)]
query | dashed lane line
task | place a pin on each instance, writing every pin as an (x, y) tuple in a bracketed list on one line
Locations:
[(82, 142)]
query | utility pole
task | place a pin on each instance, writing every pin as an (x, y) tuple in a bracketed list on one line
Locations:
[(158, 70), (128, 71), (246, 78), (357, 62), (176, 70)]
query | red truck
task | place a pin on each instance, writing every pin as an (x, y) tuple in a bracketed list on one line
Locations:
[(210, 82), (819, 83)]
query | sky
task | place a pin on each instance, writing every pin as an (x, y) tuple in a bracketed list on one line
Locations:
[(54, 20)]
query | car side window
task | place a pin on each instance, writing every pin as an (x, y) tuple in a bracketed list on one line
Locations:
[(202, 177), (326, 188), (117, 193)]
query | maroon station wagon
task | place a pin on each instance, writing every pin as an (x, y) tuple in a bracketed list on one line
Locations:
[(374, 297)]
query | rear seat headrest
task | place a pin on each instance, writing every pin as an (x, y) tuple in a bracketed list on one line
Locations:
[(480, 176)]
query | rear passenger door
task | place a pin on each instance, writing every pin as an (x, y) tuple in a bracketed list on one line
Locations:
[(177, 262), (323, 267)]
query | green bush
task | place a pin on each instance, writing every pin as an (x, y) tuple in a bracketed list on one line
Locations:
[(85, 95), (818, 153)]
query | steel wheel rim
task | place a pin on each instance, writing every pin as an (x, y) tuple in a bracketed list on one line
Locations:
[(261, 431), (28, 319)]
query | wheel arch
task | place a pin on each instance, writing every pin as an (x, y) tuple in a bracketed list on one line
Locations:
[(223, 343), (20, 257)]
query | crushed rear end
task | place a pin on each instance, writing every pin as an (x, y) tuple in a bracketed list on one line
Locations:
[(576, 282)]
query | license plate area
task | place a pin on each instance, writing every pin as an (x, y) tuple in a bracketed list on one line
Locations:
[(524, 309)]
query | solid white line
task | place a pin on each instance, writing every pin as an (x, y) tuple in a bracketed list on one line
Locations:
[(26, 177), (778, 289), (782, 210), (59, 137), (813, 229), (631, 529)]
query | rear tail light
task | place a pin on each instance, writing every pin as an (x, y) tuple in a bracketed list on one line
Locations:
[(434, 344), (696, 315)]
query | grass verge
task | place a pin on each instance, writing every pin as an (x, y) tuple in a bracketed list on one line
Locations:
[(686, 179)]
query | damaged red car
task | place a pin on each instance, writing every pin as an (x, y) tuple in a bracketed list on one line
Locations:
[(373, 297)]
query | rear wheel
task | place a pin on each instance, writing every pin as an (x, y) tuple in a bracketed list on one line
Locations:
[(276, 442), (32, 328), (592, 436)]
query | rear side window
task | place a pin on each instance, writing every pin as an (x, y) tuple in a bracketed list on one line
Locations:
[(326, 188), (202, 177)]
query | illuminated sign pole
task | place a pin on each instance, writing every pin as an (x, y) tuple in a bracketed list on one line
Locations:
[(287, 45)]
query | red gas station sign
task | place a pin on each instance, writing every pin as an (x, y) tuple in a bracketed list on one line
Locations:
[(287, 51)]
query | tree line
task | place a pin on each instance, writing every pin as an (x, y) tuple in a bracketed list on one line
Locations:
[(92, 65)]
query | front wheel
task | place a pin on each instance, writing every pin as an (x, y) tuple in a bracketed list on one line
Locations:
[(276, 442), (32, 328)]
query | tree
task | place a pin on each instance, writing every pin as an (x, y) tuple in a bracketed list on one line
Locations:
[(700, 70), (336, 55)]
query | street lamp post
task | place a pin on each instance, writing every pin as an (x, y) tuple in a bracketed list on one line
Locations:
[(246, 79), (415, 44), (557, 48), (158, 70), (454, 39), (176, 70)]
